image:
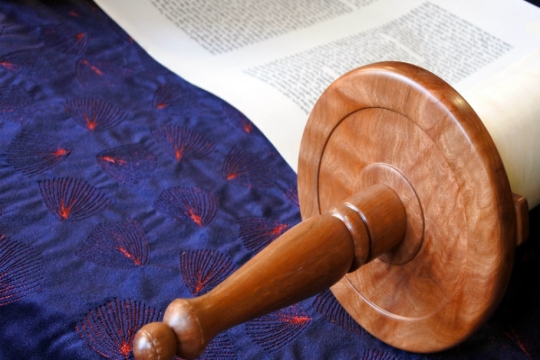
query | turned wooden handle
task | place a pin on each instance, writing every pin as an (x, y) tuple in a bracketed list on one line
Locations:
[(307, 259)]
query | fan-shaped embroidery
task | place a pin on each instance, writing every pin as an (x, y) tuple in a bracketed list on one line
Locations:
[(128, 163), (275, 330), (237, 118), (118, 245), (188, 204), (94, 114), (327, 305), (65, 40), (526, 340), (21, 270), (87, 73), (26, 63), (72, 199), (182, 142), (169, 95), (202, 270), (220, 348), (246, 169), (257, 233), (93, 74), (13, 62), (31, 153), (110, 329), (291, 194)]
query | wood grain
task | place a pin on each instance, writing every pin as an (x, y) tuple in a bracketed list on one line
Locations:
[(407, 119)]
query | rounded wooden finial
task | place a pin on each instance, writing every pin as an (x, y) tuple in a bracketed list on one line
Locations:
[(155, 341)]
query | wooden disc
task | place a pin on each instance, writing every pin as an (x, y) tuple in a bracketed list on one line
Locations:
[(400, 125)]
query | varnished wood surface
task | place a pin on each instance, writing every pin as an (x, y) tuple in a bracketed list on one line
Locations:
[(418, 223), (404, 118), (521, 207)]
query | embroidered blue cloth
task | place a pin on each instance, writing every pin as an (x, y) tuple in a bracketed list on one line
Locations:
[(123, 187)]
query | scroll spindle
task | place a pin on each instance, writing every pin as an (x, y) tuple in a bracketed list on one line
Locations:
[(304, 261)]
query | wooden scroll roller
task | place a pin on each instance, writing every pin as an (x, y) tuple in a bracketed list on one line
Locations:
[(409, 219)]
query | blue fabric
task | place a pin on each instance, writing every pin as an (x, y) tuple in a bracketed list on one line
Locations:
[(123, 187)]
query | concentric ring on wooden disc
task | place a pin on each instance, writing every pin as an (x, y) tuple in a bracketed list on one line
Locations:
[(406, 119)]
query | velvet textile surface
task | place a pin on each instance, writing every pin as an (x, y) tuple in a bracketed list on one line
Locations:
[(123, 187)]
